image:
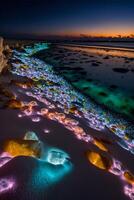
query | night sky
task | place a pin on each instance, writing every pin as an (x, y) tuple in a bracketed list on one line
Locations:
[(67, 17)]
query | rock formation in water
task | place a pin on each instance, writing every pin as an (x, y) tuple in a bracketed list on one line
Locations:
[(3, 60)]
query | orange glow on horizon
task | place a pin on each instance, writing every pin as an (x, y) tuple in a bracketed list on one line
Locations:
[(100, 31), (109, 33)]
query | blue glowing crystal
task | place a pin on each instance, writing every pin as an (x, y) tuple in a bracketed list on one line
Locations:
[(30, 135), (56, 157)]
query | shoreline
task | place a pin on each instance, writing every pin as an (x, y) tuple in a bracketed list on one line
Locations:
[(97, 46), (74, 68), (44, 102)]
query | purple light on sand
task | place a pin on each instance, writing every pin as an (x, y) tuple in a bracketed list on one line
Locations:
[(6, 184), (4, 160)]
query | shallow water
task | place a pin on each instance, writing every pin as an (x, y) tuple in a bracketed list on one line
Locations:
[(104, 74)]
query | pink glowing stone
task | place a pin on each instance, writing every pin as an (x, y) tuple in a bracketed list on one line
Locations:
[(46, 131), (6, 184), (36, 119), (19, 115)]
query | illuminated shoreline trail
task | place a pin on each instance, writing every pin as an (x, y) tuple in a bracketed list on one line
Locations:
[(50, 86), (66, 106)]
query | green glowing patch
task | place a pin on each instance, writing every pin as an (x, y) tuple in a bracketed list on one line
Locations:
[(114, 100)]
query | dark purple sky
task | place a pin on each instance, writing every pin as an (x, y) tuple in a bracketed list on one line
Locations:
[(66, 17)]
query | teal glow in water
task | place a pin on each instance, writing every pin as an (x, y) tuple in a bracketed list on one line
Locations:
[(46, 174), (37, 47)]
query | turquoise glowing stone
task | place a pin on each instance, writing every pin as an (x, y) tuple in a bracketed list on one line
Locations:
[(30, 135), (56, 157)]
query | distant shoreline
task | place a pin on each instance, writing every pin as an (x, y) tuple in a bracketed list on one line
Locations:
[(100, 46)]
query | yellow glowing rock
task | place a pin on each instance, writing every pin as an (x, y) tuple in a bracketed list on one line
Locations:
[(126, 137), (51, 115), (23, 84), (22, 148), (24, 66), (113, 129), (129, 177), (44, 111), (73, 109), (15, 104), (98, 160), (100, 145), (32, 103)]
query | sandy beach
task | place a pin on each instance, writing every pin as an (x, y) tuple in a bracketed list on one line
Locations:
[(75, 147)]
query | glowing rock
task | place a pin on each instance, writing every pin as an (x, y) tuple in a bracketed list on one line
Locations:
[(123, 144), (73, 109), (129, 177), (46, 131), (24, 66), (100, 145), (56, 157), (71, 122), (116, 168), (51, 116), (19, 115), (23, 148), (15, 104), (6, 184), (113, 128), (32, 103), (25, 85), (4, 160), (78, 130), (129, 191), (98, 160), (44, 111), (60, 116), (35, 119), (30, 135)]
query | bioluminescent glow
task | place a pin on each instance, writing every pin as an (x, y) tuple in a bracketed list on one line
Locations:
[(52, 163), (56, 157), (37, 47), (35, 119), (61, 103), (30, 135), (6, 184), (103, 95), (4, 160), (52, 168), (99, 161), (115, 167), (48, 83), (46, 131), (22, 148)]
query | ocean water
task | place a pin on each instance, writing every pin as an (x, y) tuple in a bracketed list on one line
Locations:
[(104, 73)]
